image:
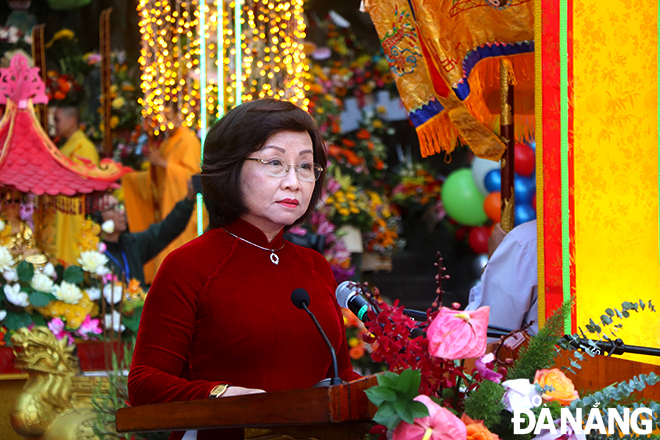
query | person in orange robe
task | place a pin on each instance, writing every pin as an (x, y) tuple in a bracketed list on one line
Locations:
[(81, 151), (152, 194)]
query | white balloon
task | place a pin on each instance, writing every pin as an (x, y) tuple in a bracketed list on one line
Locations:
[(481, 167)]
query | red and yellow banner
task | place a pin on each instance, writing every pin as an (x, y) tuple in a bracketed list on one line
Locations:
[(598, 154), (444, 55)]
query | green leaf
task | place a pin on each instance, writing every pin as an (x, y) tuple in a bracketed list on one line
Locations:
[(405, 380), (388, 379), (59, 270), (404, 411), (419, 410), (626, 314), (447, 393), (25, 271), (388, 422), (38, 299), (38, 319), (132, 322), (14, 321), (606, 319), (386, 409), (413, 390), (609, 312), (380, 394), (74, 275)]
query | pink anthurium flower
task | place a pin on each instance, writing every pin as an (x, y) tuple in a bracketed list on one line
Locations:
[(458, 334), (440, 424)]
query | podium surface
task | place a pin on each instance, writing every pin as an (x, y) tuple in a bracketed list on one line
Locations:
[(341, 411)]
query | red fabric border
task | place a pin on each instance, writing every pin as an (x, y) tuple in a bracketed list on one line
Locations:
[(551, 157)]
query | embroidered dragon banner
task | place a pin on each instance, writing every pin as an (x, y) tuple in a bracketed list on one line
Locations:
[(444, 57)]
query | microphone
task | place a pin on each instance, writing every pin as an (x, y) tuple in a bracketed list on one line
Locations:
[(349, 297), (300, 299)]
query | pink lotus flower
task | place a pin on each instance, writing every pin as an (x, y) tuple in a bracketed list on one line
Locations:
[(441, 424), (56, 325), (456, 334), (88, 326)]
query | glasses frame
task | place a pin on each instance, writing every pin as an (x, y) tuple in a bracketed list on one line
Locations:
[(116, 207), (317, 167)]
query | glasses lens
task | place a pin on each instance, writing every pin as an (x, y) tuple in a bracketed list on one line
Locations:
[(306, 171), (276, 168)]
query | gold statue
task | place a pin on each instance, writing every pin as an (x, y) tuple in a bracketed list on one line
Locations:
[(56, 401), (22, 242)]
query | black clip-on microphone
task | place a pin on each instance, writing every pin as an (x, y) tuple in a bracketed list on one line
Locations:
[(300, 299)]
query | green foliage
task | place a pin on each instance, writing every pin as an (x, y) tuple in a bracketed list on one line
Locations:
[(615, 394), (25, 271), (133, 321), (603, 331), (14, 321), (107, 402), (40, 299), (485, 403), (540, 353), (394, 398), (74, 275)]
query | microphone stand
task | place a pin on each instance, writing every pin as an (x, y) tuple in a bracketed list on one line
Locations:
[(611, 347), (329, 381)]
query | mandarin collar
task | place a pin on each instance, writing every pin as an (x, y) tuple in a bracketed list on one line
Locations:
[(248, 231)]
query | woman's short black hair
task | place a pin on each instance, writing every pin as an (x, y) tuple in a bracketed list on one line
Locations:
[(242, 131)]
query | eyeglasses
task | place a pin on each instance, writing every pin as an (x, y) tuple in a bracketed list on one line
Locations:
[(12, 201), (308, 172), (117, 207)]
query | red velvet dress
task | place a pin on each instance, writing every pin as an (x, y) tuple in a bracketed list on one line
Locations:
[(219, 311)]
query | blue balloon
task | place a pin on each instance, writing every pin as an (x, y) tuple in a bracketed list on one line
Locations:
[(524, 187), (493, 181), (532, 144), (523, 213)]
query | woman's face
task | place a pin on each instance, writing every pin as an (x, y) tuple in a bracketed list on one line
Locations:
[(275, 202)]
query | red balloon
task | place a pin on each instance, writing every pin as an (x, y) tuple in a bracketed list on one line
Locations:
[(478, 239), (525, 160), (493, 206)]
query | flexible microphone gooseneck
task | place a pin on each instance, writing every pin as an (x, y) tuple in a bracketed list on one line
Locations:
[(300, 299)]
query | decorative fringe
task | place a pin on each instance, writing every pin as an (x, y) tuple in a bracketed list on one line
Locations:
[(436, 135), (485, 80)]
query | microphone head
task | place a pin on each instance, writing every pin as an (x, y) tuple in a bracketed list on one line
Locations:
[(300, 296), (345, 292)]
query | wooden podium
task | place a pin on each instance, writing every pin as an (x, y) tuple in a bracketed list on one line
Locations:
[(338, 412)]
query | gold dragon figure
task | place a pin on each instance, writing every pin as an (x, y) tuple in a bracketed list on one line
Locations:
[(55, 403)]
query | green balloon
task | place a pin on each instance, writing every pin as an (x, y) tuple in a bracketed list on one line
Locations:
[(462, 199)]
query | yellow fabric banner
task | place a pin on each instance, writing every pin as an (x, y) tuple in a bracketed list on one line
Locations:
[(432, 46)]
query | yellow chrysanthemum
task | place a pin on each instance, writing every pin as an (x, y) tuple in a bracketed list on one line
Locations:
[(73, 314)]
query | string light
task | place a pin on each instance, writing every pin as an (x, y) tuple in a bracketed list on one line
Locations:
[(255, 46)]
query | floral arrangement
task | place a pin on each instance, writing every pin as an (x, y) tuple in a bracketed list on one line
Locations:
[(429, 393), (416, 186), (79, 301), (384, 235), (63, 89), (125, 97), (12, 39)]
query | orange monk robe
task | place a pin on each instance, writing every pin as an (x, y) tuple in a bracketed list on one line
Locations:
[(81, 150), (151, 195)]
